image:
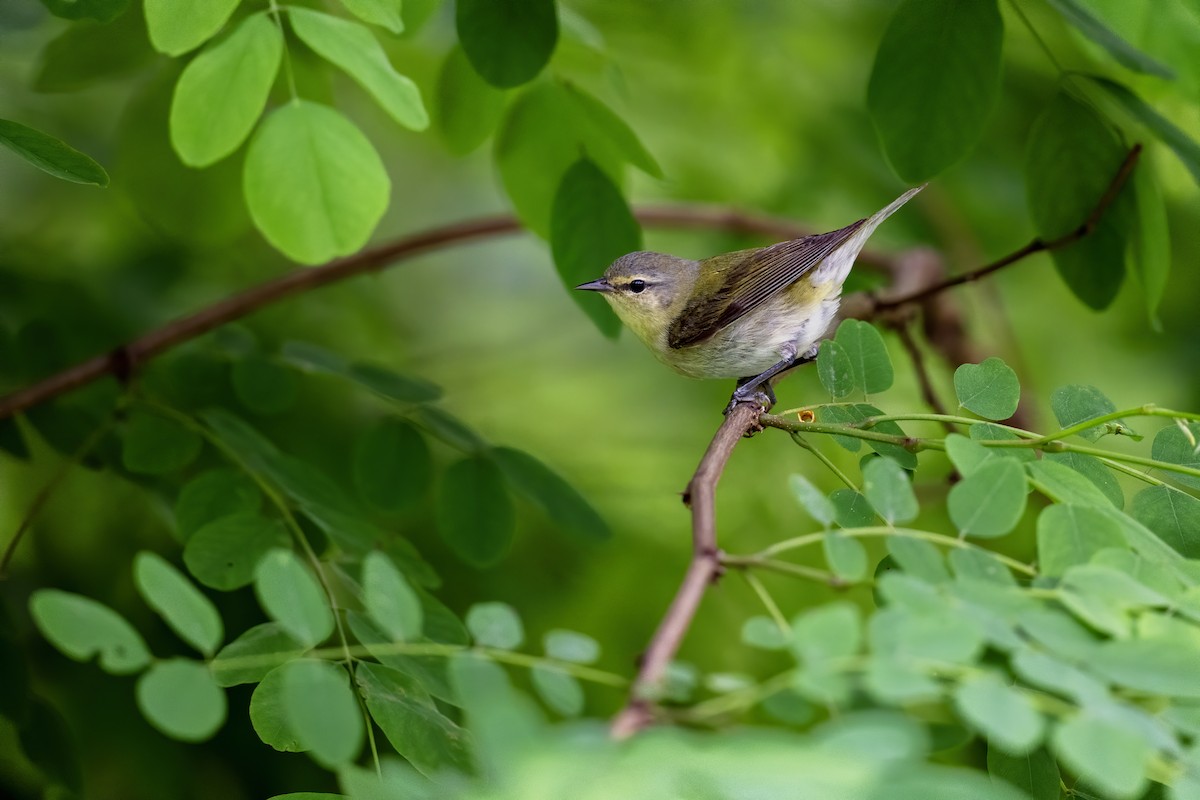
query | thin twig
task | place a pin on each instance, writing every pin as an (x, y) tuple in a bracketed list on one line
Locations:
[(928, 394), (705, 567)]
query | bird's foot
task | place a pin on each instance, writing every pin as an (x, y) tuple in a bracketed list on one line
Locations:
[(762, 396)]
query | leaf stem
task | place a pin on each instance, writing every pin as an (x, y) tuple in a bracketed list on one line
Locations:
[(768, 601), (824, 459)]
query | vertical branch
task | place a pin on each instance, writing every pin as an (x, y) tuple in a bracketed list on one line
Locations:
[(703, 570), (928, 393)]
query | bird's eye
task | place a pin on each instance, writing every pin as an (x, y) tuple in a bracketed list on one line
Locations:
[(637, 286)]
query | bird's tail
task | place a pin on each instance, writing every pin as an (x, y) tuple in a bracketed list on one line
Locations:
[(837, 264)]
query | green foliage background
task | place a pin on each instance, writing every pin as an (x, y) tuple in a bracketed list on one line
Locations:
[(764, 106)]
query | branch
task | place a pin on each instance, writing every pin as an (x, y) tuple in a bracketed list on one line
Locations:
[(704, 569)]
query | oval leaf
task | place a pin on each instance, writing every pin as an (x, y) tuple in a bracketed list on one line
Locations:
[(1068, 535), (81, 628), (189, 613), (292, 597), (1003, 714), (507, 41), (314, 185), (389, 599), (223, 554), (990, 501), (1104, 754), (1078, 403), (268, 715), (870, 363), (812, 499), (249, 657), (834, 370), (466, 108), (1093, 28), (320, 709), (384, 13), (558, 690), (495, 625), (392, 465), (180, 698), (562, 503), (989, 389), (475, 512), (889, 489), (1174, 516), (51, 155), (177, 27), (154, 445), (846, 556), (1179, 444), (576, 648), (212, 495)]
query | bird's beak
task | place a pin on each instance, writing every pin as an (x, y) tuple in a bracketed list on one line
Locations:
[(600, 285)]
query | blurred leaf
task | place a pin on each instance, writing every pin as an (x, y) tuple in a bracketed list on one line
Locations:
[(870, 363), (214, 494), (812, 499), (419, 732), (1104, 754), (1174, 516), (1058, 676), (557, 689), (82, 628), (263, 385), (835, 370), (846, 556), (1034, 773), (840, 415), (224, 553), (888, 488), (967, 455), (353, 48), (184, 608), (51, 155), (989, 389), (987, 432), (1078, 403), (88, 53), (590, 227), (11, 440), (918, 558), (249, 657), (292, 597), (1004, 715), (852, 509), (595, 118), (1072, 158), (827, 633), (1179, 444), (1151, 666), (892, 681), (99, 10), (495, 625), (1151, 242), (505, 725), (1095, 471), (564, 505), (764, 633), (428, 672), (389, 599), (154, 445), (939, 59), (179, 698), (971, 564), (1093, 28), (393, 467), (177, 28), (392, 385), (222, 92), (1071, 534), (268, 715), (449, 428), (321, 710), (576, 648), (1184, 146), (1064, 485), (507, 41), (466, 108), (990, 501), (314, 185), (384, 13), (48, 742), (475, 511)]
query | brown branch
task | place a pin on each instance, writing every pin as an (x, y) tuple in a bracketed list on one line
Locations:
[(928, 393), (704, 569), (1035, 246)]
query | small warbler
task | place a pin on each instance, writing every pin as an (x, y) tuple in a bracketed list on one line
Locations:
[(750, 315)]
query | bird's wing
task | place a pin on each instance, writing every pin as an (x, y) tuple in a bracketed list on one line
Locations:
[(756, 276)]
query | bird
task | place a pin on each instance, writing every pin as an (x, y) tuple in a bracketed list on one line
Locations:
[(750, 315)]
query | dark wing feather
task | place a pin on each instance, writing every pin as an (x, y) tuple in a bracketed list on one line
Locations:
[(756, 278)]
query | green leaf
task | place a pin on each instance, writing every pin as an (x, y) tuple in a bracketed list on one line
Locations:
[(449, 428), (990, 501), (852, 509), (1093, 28), (835, 370), (314, 185), (1078, 403), (984, 432), (82, 628), (597, 119), (403, 389), (1056, 675), (180, 698), (889, 490), (384, 13), (51, 155), (224, 553), (389, 599), (268, 714), (264, 385), (1071, 534), (495, 625), (103, 11), (320, 709), (590, 227), (86, 54), (812, 499), (1001, 713), (576, 648), (154, 445), (968, 455), (1035, 774), (176, 28), (1184, 146), (466, 107), (840, 415), (989, 389), (505, 725), (764, 633), (1095, 471), (827, 633), (249, 657), (1151, 242), (1179, 444), (393, 467), (222, 92), (870, 363), (939, 59), (1150, 666), (292, 597), (979, 565), (475, 511), (189, 613), (507, 41), (1073, 156), (1174, 516), (212, 495), (1104, 754), (565, 506), (419, 732), (918, 558), (559, 690), (353, 48), (897, 682), (1064, 485), (903, 457), (846, 556)]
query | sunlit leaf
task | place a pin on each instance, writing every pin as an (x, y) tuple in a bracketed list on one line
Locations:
[(99, 10), (852, 509), (176, 27), (1094, 28), (384, 13)]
